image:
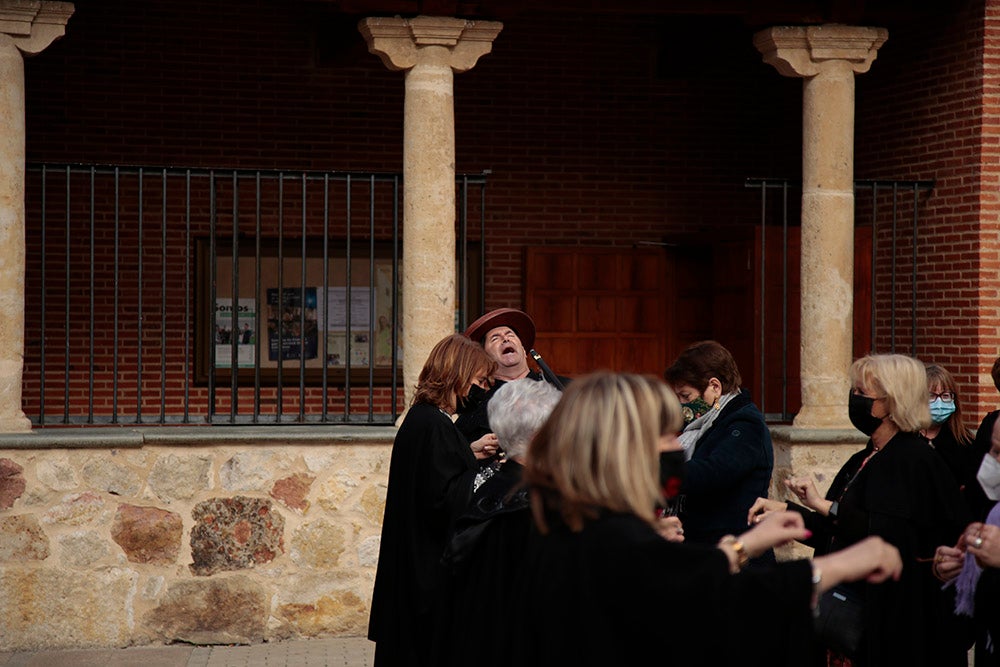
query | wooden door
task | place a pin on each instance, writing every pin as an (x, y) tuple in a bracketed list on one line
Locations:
[(598, 308)]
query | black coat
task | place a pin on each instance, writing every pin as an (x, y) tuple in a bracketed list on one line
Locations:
[(482, 561), (730, 468), (963, 461), (617, 593), (475, 423), (987, 601), (907, 495), (430, 479)]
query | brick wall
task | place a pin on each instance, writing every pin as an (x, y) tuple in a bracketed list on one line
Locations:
[(924, 113), (598, 130)]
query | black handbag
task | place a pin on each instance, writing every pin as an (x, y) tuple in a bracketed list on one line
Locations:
[(840, 620)]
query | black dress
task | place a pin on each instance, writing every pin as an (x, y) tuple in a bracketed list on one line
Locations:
[(475, 423), (430, 477), (907, 495), (617, 593), (963, 461), (482, 560)]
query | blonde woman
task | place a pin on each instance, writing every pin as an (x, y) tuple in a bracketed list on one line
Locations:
[(901, 490), (599, 585)]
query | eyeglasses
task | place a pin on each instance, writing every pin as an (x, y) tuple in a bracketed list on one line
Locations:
[(945, 396)]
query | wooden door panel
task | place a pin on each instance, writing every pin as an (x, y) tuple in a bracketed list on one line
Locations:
[(551, 271), (553, 313), (597, 313), (639, 355), (616, 307), (559, 352), (594, 354), (596, 271)]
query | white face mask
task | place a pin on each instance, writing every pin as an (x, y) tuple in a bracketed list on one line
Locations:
[(989, 477)]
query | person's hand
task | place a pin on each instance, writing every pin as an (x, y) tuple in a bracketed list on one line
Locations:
[(872, 559), (948, 562), (774, 529), (485, 447), (670, 528), (762, 507), (982, 540), (804, 489)]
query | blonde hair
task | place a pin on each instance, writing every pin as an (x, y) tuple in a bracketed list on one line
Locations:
[(899, 379), (599, 449)]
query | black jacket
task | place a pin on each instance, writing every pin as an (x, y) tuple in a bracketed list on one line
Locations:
[(907, 495), (730, 468), (430, 478), (617, 593)]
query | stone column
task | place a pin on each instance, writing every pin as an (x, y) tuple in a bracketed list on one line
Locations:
[(26, 28), (430, 49), (827, 57)]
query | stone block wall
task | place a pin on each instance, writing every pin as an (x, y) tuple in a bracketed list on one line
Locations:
[(200, 535)]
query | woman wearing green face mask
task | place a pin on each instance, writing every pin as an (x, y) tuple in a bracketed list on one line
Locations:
[(727, 444), (952, 438)]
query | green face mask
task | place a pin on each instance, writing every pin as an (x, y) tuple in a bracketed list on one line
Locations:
[(694, 409)]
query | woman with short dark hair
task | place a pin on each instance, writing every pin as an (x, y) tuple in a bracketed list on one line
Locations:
[(726, 441)]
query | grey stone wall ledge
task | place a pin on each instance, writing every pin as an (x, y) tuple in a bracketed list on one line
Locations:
[(137, 437), (815, 436)]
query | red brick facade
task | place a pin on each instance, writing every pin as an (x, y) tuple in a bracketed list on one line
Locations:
[(598, 129)]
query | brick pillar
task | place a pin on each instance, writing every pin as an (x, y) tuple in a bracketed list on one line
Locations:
[(430, 49), (27, 27), (827, 58)]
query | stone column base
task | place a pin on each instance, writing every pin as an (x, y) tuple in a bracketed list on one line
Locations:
[(819, 453)]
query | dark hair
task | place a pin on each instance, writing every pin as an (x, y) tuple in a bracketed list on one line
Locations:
[(450, 367), (995, 373), (701, 362), (940, 376)]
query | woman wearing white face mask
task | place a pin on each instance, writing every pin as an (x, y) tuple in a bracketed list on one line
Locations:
[(973, 564)]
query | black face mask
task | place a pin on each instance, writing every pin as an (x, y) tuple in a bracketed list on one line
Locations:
[(672, 465), (859, 410), (471, 401)]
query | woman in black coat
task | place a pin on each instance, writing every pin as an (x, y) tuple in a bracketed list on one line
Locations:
[(901, 490), (431, 472)]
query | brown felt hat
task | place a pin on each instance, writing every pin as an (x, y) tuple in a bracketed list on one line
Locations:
[(504, 317)]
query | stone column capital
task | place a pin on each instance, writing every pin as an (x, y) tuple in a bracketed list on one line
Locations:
[(32, 25), (804, 51), (399, 42)]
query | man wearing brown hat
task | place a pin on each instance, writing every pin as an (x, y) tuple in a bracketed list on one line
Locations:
[(506, 334)]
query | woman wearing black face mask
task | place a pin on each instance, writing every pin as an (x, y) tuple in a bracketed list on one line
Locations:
[(431, 473), (901, 490)]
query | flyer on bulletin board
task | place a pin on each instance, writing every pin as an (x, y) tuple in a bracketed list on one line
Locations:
[(292, 329), (245, 333)]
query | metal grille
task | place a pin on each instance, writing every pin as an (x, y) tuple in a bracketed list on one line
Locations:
[(891, 211), (135, 278)]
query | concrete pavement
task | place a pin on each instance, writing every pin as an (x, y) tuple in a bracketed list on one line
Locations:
[(342, 651)]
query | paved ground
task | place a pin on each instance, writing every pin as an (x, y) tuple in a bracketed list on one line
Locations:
[(348, 652)]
